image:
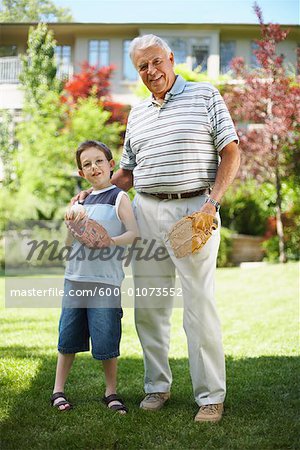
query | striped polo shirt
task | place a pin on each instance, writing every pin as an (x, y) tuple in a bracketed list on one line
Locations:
[(174, 147)]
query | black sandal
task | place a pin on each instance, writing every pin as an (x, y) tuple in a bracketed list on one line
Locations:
[(55, 396), (115, 398)]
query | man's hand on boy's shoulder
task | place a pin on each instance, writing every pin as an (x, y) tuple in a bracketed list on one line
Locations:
[(81, 196)]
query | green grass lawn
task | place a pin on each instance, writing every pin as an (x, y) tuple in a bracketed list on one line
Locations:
[(259, 311)]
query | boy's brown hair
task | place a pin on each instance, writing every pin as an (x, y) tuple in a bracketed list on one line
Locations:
[(87, 144)]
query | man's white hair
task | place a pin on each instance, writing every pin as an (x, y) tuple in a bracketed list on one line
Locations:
[(148, 40)]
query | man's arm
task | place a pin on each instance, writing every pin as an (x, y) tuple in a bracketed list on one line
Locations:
[(227, 170), (123, 178)]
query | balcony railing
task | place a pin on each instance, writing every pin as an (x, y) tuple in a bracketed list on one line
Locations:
[(10, 69)]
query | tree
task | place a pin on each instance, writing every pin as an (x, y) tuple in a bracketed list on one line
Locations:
[(39, 162), (7, 146), (47, 136), (91, 80), (95, 82), (39, 68), (267, 100), (46, 161), (33, 11)]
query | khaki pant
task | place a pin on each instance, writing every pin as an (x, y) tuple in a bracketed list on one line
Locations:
[(153, 308)]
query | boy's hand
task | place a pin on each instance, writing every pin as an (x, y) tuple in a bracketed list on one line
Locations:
[(81, 196), (90, 233), (75, 213)]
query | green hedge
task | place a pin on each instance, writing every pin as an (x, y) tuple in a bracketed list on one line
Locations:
[(246, 208), (225, 250)]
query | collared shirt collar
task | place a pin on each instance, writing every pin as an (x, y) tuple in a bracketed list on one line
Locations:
[(177, 88)]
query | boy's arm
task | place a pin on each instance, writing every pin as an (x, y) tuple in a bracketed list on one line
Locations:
[(76, 215), (69, 239), (127, 217)]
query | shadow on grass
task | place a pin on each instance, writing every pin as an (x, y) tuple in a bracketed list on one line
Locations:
[(261, 408)]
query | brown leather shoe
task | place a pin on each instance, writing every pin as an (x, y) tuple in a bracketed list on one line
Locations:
[(210, 413), (155, 401)]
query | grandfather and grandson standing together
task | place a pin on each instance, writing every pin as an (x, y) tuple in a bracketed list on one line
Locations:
[(181, 155)]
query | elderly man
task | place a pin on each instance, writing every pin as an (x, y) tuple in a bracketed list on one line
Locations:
[(180, 154)]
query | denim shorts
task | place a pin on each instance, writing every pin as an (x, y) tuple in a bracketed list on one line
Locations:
[(90, 310)]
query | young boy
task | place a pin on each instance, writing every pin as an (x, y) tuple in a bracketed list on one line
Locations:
[(98, 315)]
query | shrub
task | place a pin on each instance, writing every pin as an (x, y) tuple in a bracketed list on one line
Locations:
[(1, 253), (225, 250), (271, 248), (291, 225), (94, 82), (245, 208)]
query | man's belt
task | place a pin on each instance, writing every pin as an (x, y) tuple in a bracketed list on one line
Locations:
[(191, 194)]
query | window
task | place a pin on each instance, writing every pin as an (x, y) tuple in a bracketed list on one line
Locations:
[(99, 53), (63, 55), (8, 50), (199, 57), (129, 71), (253, 60), (227, 52), (193, 51), (63, 61), (179, 48)]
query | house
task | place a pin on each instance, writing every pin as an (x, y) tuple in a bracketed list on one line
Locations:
[(210, 46)]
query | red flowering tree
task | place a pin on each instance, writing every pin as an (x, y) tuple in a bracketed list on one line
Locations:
[(266, 106), (93, 81)]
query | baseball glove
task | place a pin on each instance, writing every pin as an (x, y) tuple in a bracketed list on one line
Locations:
[(191, 233), (89, 233)]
